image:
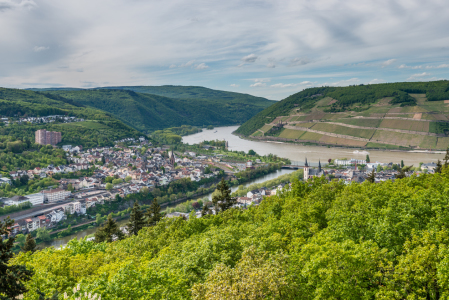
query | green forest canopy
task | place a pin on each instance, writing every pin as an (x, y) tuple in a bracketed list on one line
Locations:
[(185, 105), (318, 241)]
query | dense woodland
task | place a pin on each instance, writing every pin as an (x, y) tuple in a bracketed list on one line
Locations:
[(318, 241), (355, 98), (149, 112)]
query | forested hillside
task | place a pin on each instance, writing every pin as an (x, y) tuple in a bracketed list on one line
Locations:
[(392, 115), (318, 241), (100, 128), (170, 106)]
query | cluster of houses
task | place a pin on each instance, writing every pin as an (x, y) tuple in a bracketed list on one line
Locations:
[(138, 168), (41, 120), (352, 173)]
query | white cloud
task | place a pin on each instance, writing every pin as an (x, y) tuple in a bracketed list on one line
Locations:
[(40, 48), (172, 66), (261, 79), (249, 58), (409, 67), (438, 67), (187, 64), (235, 85), (375, 81), (201, 66), (281, 85), (418, 76), (271, 65), (388, 62), (299, 62), (306, 82), (346, 82), (258, 84), (13, 4)]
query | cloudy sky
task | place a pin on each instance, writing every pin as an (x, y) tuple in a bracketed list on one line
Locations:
[(261, 47)]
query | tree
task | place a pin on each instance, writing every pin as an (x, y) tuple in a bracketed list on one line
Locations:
[(367, 159), (128, 178), (402, 172), (109, 186), (222, 200), (20, 239), (11, 276), (43, 234), (446, 158), (70, 187), (402, 163), (439, 167), (136, 220), (108, 231), (205, 211), (117, 181), (252, 152), (371, 178), (379, 168), (30, 244), (24, 180), (153, 213)]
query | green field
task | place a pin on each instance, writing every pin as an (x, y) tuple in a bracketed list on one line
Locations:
[(265, 128), (88, 124), (363, 133), (311, 136), (382, 146), (405, 125), (341, 142), (361, 122), (403, 139), (306, 125), (257, 133), (429, 142), (443, 143), (291, 134)]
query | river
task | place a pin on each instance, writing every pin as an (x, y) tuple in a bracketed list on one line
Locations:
[(299, 153), (63, 241)]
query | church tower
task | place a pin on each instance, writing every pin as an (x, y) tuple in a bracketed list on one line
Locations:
[(319, 166), (306, 171)]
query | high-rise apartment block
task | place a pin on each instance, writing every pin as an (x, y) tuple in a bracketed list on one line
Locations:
[(44, 137)]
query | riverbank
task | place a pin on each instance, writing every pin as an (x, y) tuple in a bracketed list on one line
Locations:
[(313, 153)]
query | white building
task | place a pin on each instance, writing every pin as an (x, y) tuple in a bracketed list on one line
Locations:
[(74, 207), (56, 215), (56, 195), (34, 199), (5, 180), (352, 161)]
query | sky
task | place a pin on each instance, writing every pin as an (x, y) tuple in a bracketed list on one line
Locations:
[(265, 48)]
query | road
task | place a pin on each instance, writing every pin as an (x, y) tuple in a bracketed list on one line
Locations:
[(35, 211)]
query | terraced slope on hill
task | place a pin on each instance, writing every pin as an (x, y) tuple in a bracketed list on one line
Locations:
[(397, 115), (139, 108)]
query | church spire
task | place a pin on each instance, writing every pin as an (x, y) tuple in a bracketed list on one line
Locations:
[(306, 165), (319, 166)]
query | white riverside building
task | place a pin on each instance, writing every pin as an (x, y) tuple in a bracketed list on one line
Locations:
[(56, 195), (34, 199), (352, 161)]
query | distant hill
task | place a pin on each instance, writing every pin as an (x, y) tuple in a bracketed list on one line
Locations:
[(101, 129), (393, 116), (145, 111)]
